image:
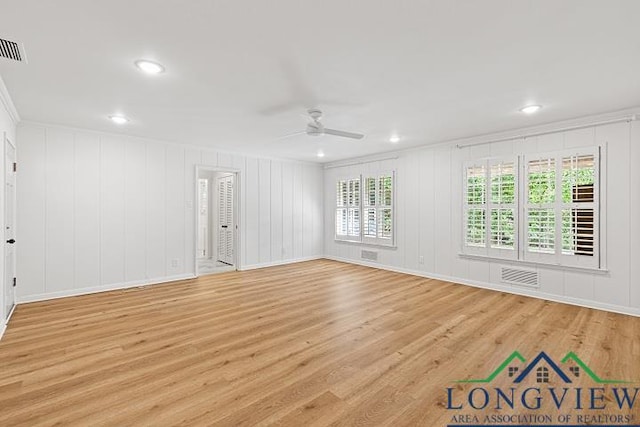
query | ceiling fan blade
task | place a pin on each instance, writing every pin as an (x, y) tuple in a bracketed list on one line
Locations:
[(343, 133), (289, 135)]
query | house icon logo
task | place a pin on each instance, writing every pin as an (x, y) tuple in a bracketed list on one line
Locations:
[(541, 391), (570, 368)]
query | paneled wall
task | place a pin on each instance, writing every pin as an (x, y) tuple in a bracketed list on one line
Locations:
[(429, 224), (98, 211)]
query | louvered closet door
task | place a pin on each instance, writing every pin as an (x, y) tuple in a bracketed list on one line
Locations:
[(225, 219), (229, 215)]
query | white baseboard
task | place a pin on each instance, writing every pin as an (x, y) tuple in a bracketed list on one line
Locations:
[(3, 325), (281, 262), (146, 282), (103, 288), (496, 287)]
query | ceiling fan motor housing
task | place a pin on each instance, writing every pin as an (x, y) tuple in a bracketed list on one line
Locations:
[(315, 129)]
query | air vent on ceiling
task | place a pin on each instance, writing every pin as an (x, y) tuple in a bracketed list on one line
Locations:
[(12, 50), (519, 276), (369, 255)]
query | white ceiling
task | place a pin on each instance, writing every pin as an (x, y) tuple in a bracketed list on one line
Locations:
[(241, 72)]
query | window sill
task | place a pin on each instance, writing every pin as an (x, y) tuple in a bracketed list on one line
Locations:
[(361, 243), (602, 271)]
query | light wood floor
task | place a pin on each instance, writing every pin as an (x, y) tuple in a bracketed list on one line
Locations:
[(314, 343)]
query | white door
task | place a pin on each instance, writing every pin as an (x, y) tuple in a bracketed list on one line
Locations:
[(225, 219), (10, 212)]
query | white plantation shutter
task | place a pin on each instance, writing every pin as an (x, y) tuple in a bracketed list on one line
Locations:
[(378, 209), (385, 207), (370, 217), (341, 207), (562, 208), (348, 209), (540, 208), (353, 210), (502, 199), (557, 216), (364, 209), (580, 209), (490, 211), (475, 207)]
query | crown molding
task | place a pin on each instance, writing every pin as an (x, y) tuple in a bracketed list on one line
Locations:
[(8, 103)]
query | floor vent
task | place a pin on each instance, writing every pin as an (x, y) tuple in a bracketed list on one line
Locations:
[(369, 255), (12, 50), (518, 276)]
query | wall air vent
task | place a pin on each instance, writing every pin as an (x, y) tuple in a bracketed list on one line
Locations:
[(518, 276), (369, 255), (12, 50)]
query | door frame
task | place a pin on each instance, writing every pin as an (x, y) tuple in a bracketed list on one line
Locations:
[(237, 213), (6, 143), (223, 180)]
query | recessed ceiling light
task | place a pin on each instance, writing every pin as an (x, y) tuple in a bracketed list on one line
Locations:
[(320, 154), (149, 67), (119, 120), (530, 109), (394, 139)]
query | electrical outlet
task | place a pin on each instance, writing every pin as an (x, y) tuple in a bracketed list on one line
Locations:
[(421, 260), (174, 263)]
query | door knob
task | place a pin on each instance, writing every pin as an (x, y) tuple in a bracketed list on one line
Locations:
[(12, 241)]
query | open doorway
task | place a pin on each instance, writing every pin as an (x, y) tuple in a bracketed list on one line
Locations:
[(216, 220)]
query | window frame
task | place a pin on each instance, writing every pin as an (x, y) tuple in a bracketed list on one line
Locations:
[(348, 237), (488, 206), (521, 254), (558, 257), (362, 238), (466, 206), (378, 241)]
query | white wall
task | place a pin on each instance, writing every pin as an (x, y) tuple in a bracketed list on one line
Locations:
[(99, 211), (8, 119), (428, 221)]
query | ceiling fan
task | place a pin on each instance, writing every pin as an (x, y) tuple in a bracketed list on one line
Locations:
[(316, 128)]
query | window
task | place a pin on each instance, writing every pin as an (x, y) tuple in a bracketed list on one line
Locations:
[(540, 212), (371, 221), (502, 205), (561, 208), (348, 209), (378, 209), (556, 218), (542, 375), (490, 207), (476, 206)]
